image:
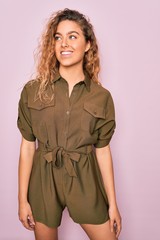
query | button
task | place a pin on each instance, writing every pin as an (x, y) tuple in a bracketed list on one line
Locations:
[(68, 112)]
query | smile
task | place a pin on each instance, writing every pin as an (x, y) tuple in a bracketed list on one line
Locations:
[(66, 53)]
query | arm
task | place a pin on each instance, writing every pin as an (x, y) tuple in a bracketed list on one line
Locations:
[(104, 159), (27, 150)]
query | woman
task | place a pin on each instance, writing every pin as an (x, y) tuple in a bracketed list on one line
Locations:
[(72, 117)]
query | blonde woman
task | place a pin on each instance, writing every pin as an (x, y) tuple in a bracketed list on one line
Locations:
[(72, 118)]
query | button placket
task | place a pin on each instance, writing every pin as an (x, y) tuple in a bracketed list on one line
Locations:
[(70, 100), (67, 117)]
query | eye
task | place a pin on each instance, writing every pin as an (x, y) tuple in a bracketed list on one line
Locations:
[(57, 38), (72, 37)]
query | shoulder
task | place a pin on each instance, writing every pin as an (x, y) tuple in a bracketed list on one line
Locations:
[(98, 88), (29, 90), (100, 93), (30, 95), (31, 86)]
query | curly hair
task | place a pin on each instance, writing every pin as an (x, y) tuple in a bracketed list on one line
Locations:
[(47, 64)]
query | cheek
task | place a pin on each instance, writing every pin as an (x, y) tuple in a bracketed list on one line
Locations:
[(80, 48), (81, 52), (56, 49), (57, 55), (83, 47)]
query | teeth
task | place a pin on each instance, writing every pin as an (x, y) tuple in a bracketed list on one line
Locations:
[(65, 53)]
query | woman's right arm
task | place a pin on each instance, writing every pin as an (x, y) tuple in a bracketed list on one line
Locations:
[(27, 150)]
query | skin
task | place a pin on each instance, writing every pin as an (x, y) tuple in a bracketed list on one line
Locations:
[(27, 150), (69, 39), (70, 47)]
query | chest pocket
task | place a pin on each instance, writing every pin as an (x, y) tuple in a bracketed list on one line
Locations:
[(41, 112), (38, 105), (90, 115), (42, 115)]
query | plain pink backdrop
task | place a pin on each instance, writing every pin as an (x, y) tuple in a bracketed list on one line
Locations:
[(128, 33)]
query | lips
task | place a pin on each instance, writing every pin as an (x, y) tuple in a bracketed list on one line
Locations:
[(66, 53)]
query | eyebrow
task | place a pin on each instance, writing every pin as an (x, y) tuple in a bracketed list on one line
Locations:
[(67, 33)]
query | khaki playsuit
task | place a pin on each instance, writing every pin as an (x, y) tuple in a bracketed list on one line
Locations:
[(65, 171)]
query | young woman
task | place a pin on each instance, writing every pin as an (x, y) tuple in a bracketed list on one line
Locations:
[(72, 117)]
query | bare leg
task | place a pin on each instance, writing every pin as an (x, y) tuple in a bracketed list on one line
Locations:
[(42, 232), (99, 232)]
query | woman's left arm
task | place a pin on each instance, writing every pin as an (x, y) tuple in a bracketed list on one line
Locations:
[(105, 163)]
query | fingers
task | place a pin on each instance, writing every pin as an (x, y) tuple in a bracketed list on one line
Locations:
[(28, 223), (31, 221), (115, 226), (118, 227), (112, 225), (25, 216)]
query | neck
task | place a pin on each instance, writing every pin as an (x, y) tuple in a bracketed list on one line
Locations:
[(72, 74)]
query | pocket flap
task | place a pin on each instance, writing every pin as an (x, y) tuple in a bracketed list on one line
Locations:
[(38, 105), (94, 110)]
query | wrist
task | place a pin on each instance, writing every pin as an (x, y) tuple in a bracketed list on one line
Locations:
[(112, 204), (22, 199)]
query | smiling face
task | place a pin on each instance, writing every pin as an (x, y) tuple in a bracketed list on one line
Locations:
[(70, 44)]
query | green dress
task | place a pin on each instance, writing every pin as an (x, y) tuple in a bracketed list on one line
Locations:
[(65, 171)]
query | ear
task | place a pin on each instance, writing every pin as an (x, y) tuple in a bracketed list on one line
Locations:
[(88, 45)]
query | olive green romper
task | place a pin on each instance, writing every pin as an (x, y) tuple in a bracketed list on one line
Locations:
[(65, 171)]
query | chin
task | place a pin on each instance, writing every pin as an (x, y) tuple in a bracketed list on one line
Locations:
[(70, 64)]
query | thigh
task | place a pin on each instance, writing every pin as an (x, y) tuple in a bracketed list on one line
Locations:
[(42, 232), (99, 232)]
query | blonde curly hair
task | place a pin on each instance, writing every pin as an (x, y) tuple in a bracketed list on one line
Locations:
[(47, 64)]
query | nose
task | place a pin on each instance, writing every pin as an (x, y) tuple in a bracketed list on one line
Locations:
[(64, 42)]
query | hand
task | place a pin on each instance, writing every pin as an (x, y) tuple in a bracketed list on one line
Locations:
[(115, 220), (25, 216)]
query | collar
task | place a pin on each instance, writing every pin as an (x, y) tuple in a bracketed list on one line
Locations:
[(86, 80), (57, 77)]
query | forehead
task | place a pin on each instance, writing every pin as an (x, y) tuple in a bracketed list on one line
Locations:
[(68, 26)]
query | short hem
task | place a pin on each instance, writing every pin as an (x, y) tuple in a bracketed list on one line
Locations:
[(46, 224), (97, 223)]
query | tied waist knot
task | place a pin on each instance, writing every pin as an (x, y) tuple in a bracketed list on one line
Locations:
[(59, 157)]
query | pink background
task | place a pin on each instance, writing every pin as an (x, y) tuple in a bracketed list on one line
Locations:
[(129, 38)]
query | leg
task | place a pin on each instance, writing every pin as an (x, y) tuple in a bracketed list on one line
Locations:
[(42, 232), (99, 232)]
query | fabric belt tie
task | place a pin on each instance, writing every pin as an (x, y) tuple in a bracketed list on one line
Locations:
[(59, 157)]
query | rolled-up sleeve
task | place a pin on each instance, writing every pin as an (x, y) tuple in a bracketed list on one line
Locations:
[(24, 117), (106, 126)]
